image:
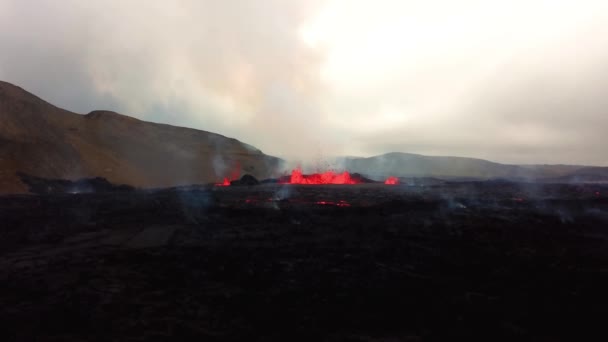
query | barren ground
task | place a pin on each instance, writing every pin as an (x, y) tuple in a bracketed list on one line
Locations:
[(492, 261)]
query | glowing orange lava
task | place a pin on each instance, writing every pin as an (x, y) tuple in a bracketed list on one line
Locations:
[(327, 177), (235, 173), (391, 180), (226, 182)]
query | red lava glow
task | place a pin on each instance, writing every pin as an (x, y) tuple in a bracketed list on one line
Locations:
[(392, 180), (337, 204), (327, 177), (235, 173), (226, 182)]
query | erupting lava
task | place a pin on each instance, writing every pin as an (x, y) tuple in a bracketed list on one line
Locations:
[(235, 173), (327, 177), (226, 182), (392, 180)]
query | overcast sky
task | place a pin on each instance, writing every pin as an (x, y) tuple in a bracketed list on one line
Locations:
[(510, 81)]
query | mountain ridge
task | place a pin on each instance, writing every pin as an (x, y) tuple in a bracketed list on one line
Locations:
[(402, 164), (43, 140)]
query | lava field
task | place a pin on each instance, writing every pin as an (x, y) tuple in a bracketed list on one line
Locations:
[(275, 262)]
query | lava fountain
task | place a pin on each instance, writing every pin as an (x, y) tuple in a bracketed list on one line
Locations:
[(226, 182), (392, 181), (327, 177)]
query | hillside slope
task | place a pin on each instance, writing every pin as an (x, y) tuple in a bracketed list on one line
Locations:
[(415, 165), (40, 139)]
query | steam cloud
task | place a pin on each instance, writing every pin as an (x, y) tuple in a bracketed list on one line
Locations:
[(518, 81), (234, 67)]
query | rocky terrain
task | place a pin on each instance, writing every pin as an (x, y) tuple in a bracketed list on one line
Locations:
[(493, 261), (42, 140)]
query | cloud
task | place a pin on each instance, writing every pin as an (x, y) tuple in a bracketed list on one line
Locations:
[(234, 67), (517, 81)]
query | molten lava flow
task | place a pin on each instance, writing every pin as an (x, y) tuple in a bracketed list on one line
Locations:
[(327, 177), (235, 173), (392, 180), (226, 182)]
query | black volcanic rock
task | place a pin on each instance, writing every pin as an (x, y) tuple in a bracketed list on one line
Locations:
[(38, 185), (359, 178), (245, 180), (472, 261)]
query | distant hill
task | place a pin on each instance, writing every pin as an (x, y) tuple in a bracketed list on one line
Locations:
[(40, 139), (591, 174), (415, 165)]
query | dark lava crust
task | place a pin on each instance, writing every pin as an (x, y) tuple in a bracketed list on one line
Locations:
[(491, 261)]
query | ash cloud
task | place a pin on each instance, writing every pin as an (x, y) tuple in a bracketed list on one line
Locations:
[(514, 82)]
